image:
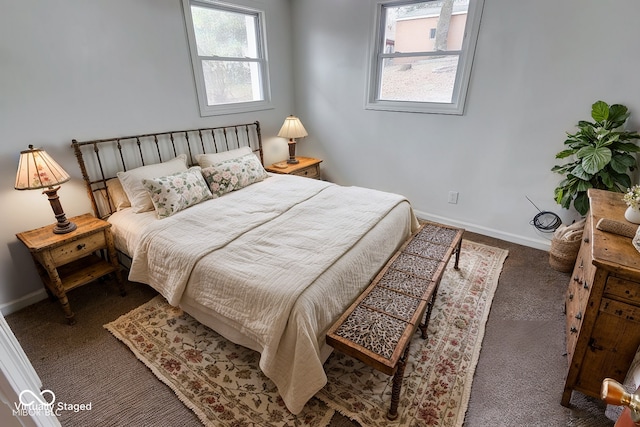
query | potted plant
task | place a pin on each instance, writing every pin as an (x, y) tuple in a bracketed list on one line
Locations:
[(601, 154)]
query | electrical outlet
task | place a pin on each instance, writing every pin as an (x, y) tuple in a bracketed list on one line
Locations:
[(453, 197)]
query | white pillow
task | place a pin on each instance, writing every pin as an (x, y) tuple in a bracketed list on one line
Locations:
[(117, 194), (132, 181), (173, 193), (234, 174), (206, 160)]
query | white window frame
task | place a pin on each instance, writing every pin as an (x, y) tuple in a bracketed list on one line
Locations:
[(463, 73), (196, 60)]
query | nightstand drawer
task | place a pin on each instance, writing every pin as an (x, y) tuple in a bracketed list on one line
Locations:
[(78, 248), (310, 172)]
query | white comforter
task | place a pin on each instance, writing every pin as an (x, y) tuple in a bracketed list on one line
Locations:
[(249, 255)]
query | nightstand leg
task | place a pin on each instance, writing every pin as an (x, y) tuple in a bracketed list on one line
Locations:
[(55, 286)]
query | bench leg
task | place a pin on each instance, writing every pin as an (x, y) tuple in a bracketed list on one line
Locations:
[(458, 250), (392, 414), (425, 325)]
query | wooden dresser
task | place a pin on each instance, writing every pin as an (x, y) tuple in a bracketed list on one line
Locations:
[(602, 302)]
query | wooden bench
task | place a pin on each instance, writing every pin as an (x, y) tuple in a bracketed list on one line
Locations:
[(377, 328)]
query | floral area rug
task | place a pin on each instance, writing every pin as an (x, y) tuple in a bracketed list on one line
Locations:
[(222, 383), (439, 372)]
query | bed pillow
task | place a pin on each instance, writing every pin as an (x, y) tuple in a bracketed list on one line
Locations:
[(132, 181), (117, 195), (234, 174), (173, 193), (206, 160)]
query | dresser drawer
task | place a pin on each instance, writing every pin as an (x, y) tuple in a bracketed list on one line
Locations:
[(622, 289), (627, 312), (78, 248)]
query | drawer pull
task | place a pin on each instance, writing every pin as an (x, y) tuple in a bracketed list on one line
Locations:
[(81, 246), (573, 330), (586, 240), (586, 285), (592, 345), (570, 297), (579, 316)]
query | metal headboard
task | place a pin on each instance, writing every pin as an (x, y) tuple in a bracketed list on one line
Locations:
[(101, 159)]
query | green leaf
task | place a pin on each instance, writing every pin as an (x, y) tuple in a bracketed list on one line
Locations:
[(625, 146), (581, 203), (588, 134), (628, 136), (583, 185), (558, 194), (608, 139), (594, 158), (622, 162), (621, 181), (578, 172), (600, 111), (565, 153), (618, 114), (607, 180)]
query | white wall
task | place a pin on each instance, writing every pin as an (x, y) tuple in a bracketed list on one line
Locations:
[(538, 68), (79, 69), (96, 69)]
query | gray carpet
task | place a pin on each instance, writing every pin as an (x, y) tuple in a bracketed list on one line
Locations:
[(518, 381)]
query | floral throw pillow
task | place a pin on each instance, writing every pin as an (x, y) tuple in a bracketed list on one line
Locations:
[(173, 193), (234, 174)]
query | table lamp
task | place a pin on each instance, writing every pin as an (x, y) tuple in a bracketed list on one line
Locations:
[(292, 128), (38, 170)]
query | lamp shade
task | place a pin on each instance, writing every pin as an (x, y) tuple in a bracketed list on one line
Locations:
[(292, 128), (38, 170)]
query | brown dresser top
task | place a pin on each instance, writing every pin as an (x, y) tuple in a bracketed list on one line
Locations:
[(611, 251)]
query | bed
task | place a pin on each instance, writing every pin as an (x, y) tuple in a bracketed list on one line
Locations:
[(269, 261)]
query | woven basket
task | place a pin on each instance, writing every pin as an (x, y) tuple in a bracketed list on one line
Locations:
[(563, 254)]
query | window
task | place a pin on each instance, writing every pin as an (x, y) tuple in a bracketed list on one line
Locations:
[(429, 68), (229, 59)]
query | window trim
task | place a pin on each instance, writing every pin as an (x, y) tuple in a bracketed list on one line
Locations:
[(196, 60), (463, 74)]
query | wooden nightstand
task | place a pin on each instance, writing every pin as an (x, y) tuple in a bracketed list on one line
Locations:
[(66, 261), (308, 167)]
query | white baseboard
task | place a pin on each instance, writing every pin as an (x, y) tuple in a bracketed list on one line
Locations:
[(25, 301), (542, 243)]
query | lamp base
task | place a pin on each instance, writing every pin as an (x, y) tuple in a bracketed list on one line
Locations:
[(292, 153), (64, 225)]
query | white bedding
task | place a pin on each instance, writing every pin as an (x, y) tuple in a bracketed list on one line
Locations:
[(270, 266)]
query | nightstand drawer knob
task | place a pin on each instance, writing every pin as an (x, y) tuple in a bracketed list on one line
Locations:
[(81, 246)]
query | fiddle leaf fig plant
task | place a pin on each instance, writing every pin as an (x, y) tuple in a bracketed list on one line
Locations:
[(600, 155)]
